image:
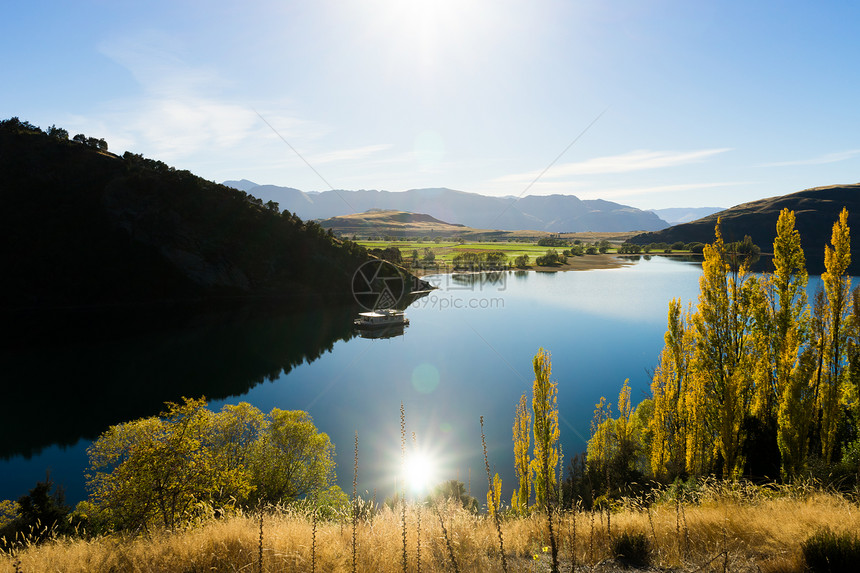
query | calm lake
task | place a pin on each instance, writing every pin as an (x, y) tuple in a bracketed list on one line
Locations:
[(467, 353)]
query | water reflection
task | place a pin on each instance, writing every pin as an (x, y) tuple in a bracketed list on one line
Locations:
[(382, 332), (90, 373), (468, 353), (491, 279)]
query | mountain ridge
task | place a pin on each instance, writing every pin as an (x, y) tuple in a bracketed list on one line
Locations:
[(552, 213), (816, 209)]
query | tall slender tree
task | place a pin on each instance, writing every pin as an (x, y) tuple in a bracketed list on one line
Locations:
[(522, 442), (783, 394), (546, 433), (723, 358), (668, 388), (837, 285)]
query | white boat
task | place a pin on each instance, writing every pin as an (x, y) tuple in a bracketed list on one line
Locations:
[(380, 318)]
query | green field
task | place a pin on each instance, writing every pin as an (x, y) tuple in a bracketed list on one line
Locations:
[(445, 251)]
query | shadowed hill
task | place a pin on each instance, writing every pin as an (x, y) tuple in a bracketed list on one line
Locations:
[(86, 228), (377, 218), (815, 210), (390, 222)]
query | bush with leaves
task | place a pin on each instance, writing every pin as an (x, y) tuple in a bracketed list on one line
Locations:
[(163, 471), (455, 491), (551, 258)]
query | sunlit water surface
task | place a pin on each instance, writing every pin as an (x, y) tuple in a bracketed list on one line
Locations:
[(467, 353)]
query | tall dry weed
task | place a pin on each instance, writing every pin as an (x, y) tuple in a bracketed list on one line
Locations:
[(732, 527)]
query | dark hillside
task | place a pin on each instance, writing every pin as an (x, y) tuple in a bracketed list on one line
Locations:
[(85, 228), (815, 209)]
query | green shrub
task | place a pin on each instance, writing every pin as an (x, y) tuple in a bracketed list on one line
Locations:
[(632, 549), (829, 552), (551, 258)]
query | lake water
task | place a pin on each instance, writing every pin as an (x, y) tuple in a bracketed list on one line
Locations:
[(466, 353)]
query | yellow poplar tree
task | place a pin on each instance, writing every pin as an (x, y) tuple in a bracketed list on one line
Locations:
[(701, 436), (837, 257), (546, 432), (778, 307), (785, 390), (599, 444), (494, 496), (623, 430), (626, 440), (522, 442), (668, 388), (723, 358)]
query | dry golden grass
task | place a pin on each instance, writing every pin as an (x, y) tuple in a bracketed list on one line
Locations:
[(726, 529)]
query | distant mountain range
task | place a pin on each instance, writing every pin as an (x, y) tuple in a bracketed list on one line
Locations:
[(815, 210), (552, 213)]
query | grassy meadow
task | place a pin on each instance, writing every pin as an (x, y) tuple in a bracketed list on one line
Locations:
[(446, 251), (719, 527)]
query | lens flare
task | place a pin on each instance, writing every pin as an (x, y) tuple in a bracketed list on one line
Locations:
[(425, 378)]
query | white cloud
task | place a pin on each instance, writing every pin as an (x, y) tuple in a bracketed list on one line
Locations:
[(348, 154), (820, 160), (638, 160), (154, 60), (181, 116)]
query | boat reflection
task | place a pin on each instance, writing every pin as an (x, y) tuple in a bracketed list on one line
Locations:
[(383, 332)]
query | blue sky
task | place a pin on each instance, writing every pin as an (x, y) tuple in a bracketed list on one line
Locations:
[(653, 104)]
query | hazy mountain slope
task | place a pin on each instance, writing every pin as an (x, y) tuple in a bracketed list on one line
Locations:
[(241, 185), (554, 213)]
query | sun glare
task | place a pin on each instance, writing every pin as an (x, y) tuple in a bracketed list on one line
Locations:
[(430, 37), (420, 472)]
